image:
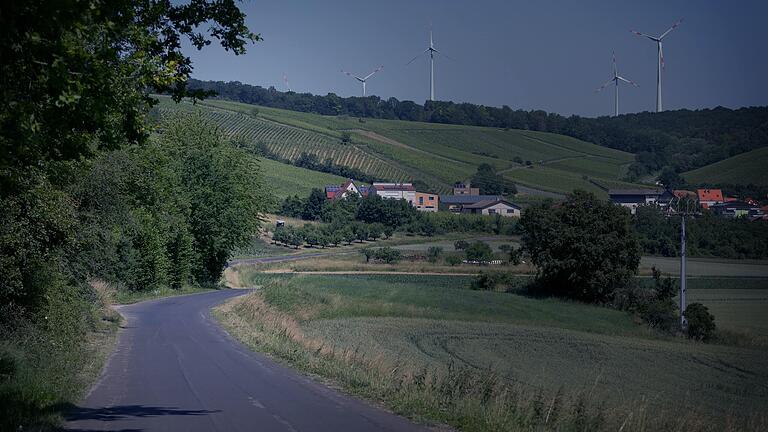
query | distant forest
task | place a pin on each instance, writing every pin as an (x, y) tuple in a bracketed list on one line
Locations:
[(682, 139)]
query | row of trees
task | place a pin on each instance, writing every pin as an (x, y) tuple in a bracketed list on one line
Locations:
[(682, 139), (330, 235)]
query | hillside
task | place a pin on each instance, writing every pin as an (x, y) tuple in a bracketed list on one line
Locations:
[(288, 180), (744, 169), (436, 154)]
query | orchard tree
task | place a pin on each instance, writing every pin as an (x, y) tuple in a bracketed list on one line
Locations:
[(584, 248)]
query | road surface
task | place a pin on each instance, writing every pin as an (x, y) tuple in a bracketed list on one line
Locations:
[(174, 369)]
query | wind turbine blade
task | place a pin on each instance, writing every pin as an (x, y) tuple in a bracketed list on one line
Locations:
[(609, 82), (627, 81), (444, 55), (352, 75), (643, 34), (671, 28), (417, 56), (615, 70), (371, 74)]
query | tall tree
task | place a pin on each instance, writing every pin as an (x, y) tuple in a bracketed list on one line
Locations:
[(583, 248)]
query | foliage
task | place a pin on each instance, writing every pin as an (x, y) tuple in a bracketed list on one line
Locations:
[(479, 251), (453, 260), (387, 255), (460, 244), (434, 253), (515, 255), (701, 323), (583, 248), (707, 235), (76, 77), (313, 206), (311, 161), (491, 183)]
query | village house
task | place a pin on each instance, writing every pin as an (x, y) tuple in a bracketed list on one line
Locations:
[(455, 203), (404, 191), (333, 192), (427, 202), (465, 189), (633, 198), (737, 209), (492, 207), (709, 197)]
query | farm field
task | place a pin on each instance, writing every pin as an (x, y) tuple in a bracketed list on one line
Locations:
[(746, 168), (436, 154), (286, 180), (707, 266), (372, 325)]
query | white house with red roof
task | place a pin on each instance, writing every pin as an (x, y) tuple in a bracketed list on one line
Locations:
[(349, 187)]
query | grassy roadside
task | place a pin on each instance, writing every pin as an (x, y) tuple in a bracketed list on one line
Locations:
[(411, 345)]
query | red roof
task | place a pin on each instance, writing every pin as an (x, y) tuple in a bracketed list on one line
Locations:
[(710, 195)]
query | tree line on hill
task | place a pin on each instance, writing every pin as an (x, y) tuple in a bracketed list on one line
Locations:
[(86, 195), (682, 140)]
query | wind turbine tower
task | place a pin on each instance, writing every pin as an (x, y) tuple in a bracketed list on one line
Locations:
[(432, 51), (363, 79), (660, 64), (285, 80), (615, 80)]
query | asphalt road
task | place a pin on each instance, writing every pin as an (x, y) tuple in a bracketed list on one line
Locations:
[(174, 369)]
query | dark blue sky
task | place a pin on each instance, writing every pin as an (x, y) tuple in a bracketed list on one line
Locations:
[(544, 54)]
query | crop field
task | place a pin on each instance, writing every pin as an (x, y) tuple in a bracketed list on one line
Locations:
[(708, 266), (285, 180), (746, 168), (434, 153), (406, 324)]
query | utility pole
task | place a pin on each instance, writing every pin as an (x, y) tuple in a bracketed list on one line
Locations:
[(683, 322)]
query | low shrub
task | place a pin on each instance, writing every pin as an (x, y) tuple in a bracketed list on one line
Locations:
[(701, 323)]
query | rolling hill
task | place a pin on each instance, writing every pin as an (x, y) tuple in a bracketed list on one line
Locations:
[(436, 154), (744, 169)]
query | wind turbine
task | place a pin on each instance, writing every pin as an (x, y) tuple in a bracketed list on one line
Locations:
[(616, 78), (661, 60), (365, 78), (285, 80), (432, 51)]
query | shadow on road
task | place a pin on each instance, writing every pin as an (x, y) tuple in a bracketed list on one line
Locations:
[(126, 411)]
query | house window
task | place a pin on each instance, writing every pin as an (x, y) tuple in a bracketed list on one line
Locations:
[(510, 211), (421, 200), (491, 211), (431, 198)]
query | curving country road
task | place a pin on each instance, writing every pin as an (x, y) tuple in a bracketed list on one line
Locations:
[(174, 369)]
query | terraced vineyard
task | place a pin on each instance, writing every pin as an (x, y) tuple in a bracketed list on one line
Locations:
[(437, 154), (289, 142)]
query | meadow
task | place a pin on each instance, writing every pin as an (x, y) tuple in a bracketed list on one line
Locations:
[(432, 349), (745, 168), (436, 154), (288, 180)]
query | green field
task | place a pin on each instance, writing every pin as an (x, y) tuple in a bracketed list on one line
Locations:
[(434, 153), (375, 335), (746, 168), (285, 180)]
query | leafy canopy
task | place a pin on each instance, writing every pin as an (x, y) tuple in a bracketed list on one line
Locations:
[(584, 248)]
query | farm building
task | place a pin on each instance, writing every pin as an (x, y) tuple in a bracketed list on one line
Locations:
[(492, 207), (456, 202), (737, 209), (427, 202), (465, 189), (404, 191), (709, 197), (632, 198)]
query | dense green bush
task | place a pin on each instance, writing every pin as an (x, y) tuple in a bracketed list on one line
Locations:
[(479, 251), (584, 248), (701, 323)]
